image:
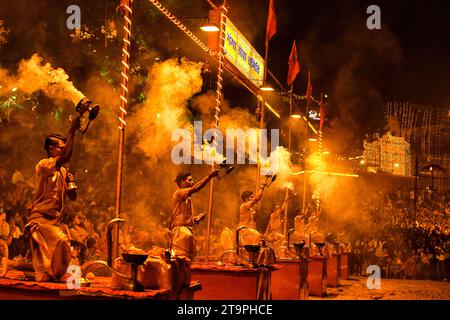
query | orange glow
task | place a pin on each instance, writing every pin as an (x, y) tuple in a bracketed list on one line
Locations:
[(267, 88), (326, 173), (210, 28)]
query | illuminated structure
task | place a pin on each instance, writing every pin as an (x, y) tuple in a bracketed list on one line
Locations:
[(388, 154)]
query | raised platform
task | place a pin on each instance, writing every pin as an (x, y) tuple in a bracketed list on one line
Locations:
[(290, 282), (317, 276), (15, 287), (344, 266), (231, 282), (334, 270)]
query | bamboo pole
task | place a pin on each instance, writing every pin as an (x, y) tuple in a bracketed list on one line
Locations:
[(261, 123), (305, 176), (125, 5), (291, 100), (216, 119)]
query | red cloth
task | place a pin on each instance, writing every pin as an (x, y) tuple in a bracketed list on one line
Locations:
[(99, 288), (271, 22), (294, 65)]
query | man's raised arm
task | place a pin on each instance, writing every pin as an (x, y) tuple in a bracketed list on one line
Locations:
[(285, 202), (258, 196), (66, 153), (202, 183)]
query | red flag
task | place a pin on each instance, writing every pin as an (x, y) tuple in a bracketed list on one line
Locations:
[(271, 22), (309, 87), (294, 65), (322, 114)]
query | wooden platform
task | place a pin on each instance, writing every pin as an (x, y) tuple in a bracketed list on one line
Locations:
[(344, 266), (290, 282), (317, 276), (15, 287), (231, 282), (334, 270)]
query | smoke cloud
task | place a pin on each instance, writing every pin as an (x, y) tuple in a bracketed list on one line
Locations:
[(33, 76)]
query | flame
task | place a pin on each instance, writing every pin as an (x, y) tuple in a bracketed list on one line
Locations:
[(278, 163)]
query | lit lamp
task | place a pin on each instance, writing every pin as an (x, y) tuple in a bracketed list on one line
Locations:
[(209, 27), (87, 106), (266, 87), (296, 116), (312, 139)]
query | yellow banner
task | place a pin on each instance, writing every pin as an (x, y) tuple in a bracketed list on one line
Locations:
[(242, 55)]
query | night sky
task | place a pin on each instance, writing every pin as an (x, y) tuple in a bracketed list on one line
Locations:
[(360, 70), (418, 33)]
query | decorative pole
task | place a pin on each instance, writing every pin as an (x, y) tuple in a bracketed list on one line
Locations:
[(261, 127), (308, 99), (305, 175), (271, 30), (291, 102), (416, 175), (221, 57), (321, 168), (125, 9), (263, 108)]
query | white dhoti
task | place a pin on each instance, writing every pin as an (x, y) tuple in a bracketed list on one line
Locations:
[(50, 248), (183, 242), (275, 240), (248, 236)]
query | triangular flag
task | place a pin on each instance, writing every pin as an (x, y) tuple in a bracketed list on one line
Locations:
[(271, 22), (322, 114), (309, 88), (294, 65)]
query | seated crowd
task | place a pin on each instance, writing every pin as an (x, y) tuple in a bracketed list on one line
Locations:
[(401, 247), (404, 247)]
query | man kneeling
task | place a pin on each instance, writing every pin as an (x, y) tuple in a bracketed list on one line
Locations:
[(50, 246)]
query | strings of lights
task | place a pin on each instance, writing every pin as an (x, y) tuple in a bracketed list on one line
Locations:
[(182, 27), (212, 4), (390, 154)]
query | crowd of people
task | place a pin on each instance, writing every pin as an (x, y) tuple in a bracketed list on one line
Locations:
[(400, 247), (405, 243), (85, 223)]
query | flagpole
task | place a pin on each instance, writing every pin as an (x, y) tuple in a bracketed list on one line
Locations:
[(304, 170), (320, 163), (263, 107), (304, 153), (219, 97), (125, 8), (291, 100)]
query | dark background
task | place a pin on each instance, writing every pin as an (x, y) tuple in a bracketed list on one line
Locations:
[(360, 69)]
